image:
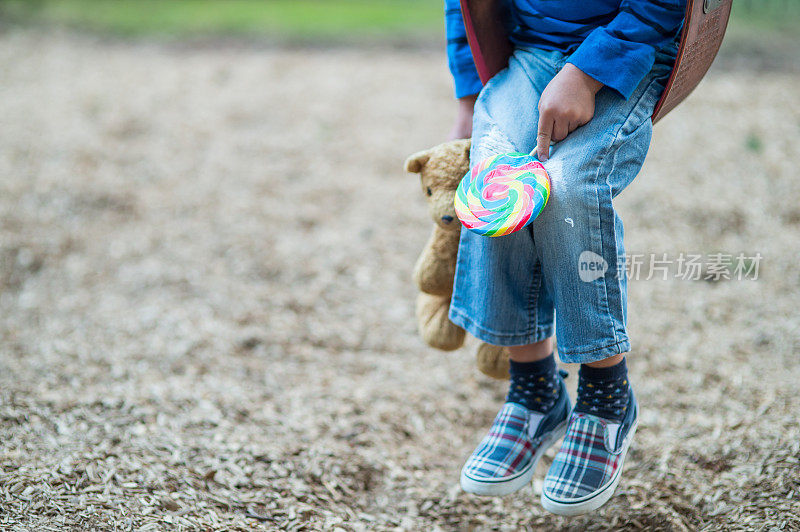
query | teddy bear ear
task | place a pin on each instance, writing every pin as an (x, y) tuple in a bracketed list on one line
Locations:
[(416, 162)]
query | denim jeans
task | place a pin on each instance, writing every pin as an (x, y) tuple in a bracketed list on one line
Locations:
[(560, 273)]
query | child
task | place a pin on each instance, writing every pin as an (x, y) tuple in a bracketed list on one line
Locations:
[(585, 75)]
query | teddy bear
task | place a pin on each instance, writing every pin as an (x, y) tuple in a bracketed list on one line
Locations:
[(440, 169)]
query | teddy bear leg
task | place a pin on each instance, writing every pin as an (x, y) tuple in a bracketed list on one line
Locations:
[(435, 327), (492, 360), (436, 265)]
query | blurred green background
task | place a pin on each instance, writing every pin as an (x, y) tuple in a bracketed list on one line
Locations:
[(313, 20), (292, 20)]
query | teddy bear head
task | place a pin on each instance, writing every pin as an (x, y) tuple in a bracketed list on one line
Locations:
[(440, 169)]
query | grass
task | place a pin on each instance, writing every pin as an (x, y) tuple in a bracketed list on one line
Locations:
[(312, 20), (754, 143), (781, 16), (766, 19), (282, 19)]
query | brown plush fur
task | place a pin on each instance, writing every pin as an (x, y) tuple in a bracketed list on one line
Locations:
[(436, 265), (435, 328), (492, 360), (441, 169)]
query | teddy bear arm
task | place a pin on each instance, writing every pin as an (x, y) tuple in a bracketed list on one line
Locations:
[(435, 327), (435, 267)]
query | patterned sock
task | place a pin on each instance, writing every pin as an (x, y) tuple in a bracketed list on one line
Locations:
[(603, 392), (534, 385)]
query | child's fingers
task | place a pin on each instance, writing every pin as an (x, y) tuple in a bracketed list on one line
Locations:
[(546, 124), (560, 130), (573, 125)]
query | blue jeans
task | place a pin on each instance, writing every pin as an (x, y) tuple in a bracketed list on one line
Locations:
[(509, 290)]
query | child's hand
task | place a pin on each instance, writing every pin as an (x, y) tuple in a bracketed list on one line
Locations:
[(565, 104), (462, 128)]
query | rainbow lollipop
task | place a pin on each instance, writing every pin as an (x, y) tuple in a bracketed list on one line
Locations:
[(502, 194)]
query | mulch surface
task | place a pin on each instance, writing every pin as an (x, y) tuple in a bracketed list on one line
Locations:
[(207, 312)]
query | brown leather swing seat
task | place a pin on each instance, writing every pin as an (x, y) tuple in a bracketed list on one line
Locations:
[(703, 29)]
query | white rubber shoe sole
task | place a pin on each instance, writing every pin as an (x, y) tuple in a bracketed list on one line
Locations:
[(510, 484), (595, 500)]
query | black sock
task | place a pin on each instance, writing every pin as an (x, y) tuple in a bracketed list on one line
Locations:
[(534, 385), (603, 392)]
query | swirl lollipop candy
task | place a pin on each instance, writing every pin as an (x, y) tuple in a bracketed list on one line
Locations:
[(502, 194)]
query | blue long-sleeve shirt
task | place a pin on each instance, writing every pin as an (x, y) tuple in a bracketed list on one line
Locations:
[(614, 41)]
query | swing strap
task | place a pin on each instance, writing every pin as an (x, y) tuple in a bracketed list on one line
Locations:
[(703, 30)]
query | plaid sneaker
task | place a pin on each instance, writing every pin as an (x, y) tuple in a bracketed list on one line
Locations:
[(588, 466), (506, 458)]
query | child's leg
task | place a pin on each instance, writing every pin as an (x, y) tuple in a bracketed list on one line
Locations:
[(500, 297), (531, 352), (499, 291), (579, 240), (506, 289)]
